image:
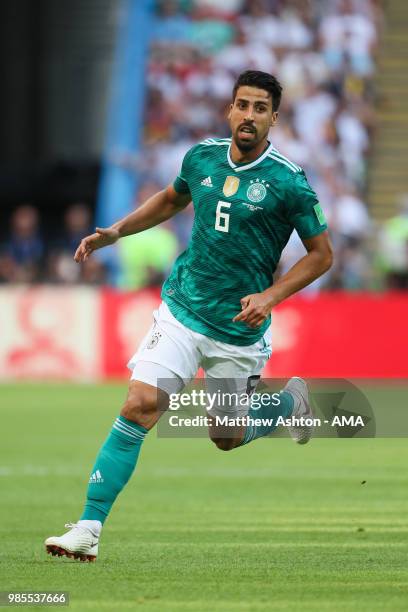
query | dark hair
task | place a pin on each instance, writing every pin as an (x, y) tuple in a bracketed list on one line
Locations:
[(261, 80)]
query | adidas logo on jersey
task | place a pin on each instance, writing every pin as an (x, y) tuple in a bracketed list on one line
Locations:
[(96, 477), (207, 182)]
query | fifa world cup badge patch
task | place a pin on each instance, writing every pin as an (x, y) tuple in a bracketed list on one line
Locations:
[(256, 191), (319, 214), (230, 186)]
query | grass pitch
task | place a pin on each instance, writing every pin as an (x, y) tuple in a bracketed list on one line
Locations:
[(271, 526)]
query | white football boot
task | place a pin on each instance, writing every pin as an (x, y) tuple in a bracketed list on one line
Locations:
[(297, 387), (78, 543)]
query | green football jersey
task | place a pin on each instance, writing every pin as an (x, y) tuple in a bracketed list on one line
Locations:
[(244, 216)]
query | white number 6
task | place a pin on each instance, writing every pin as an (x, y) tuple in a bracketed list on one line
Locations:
[(222, 218)]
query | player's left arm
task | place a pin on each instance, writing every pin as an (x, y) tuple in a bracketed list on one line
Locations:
[(318, 259)]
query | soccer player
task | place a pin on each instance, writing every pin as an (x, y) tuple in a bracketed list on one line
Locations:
[(215, 313)]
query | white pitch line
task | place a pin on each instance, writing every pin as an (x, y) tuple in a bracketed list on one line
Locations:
[(38, 470)]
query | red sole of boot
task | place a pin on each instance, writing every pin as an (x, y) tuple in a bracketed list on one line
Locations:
[(57, 551)]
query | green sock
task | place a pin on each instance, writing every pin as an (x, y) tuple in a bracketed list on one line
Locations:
[(113, 468), (269, 412)]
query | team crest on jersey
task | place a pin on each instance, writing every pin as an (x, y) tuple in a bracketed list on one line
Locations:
[(230, 186), (154, 340), (256, 191)]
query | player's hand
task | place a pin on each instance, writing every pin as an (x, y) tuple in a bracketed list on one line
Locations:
[(101, 238), (256, 308)]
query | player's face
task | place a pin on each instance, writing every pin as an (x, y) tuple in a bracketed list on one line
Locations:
[(251, 117)]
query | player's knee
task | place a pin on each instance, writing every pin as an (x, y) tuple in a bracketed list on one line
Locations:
[(141, 405), (225, 444)]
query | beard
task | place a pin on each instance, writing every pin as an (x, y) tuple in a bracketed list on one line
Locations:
[(252, 139), (245, 145)]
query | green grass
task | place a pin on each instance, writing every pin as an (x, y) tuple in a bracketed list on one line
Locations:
[(271, 526)]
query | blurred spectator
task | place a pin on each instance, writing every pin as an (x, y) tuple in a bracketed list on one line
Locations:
[(311, 114), (93, 272), (351, 268), (269, 24), (77, 225), (226, 7), (171, 24), (350, 218), (348, 37), (353, 143), (245, 52), (61, 265), (22, 256), (393, 252)]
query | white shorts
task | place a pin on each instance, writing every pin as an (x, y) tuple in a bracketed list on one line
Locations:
[(170, 355)]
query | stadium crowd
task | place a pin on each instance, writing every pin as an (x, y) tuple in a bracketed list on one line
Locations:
[(324, 55)]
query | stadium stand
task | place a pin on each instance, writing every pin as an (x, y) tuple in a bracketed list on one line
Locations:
[(325, 54), (388, 178)]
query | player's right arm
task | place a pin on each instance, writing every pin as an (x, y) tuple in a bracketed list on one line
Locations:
[(158, 208)]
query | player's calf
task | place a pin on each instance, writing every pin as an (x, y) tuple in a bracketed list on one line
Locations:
[(113, 467), (225, 437), (226, 444)]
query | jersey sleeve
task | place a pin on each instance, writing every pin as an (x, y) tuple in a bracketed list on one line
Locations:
[(305, 213), (181, 182)]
